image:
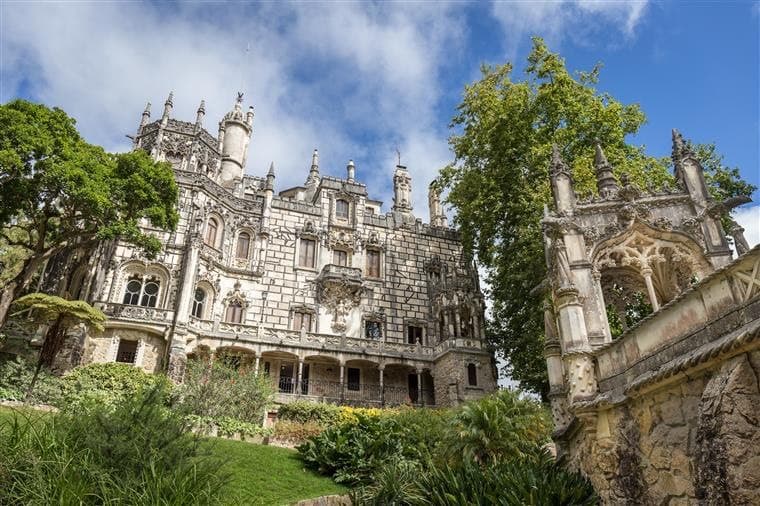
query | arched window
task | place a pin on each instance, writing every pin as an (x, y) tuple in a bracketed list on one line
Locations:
[(243, 245), (472, 375), (340, 257), (212, 229), (132, 292), (141, 291), (341, 209), (199, 302), (234, 312), (150, 293)]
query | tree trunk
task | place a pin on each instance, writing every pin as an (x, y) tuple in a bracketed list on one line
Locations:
[(51, 345), (14, 287)]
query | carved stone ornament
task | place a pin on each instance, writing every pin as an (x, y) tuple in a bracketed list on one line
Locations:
[(342, 240), (340, 297)]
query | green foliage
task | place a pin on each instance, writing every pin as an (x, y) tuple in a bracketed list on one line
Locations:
[(498, 427), (48, 308), (296, 432), (216, 390), (60, 193), (227, 427), (499, 183), (397, 483), (137, 453), (306, 411), (530, 480), (16, 376), (106, 385)]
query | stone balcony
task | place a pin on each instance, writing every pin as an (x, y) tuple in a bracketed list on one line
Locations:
[(137, 313), (359, 394)]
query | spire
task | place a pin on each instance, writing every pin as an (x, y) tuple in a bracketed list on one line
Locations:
[(562, 183), (314, 171), (168, 105), (249, 116), (145, 115), (351, 171), (605, 180), (200, 114), (270, 177), (558, 164), (680, 152)]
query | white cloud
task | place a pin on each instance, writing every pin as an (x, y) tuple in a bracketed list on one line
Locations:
[(579, 20), (749, 218), (355, 80)]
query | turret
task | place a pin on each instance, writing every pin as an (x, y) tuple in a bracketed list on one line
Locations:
[(313, 179), (605, 180), (234, 135), (200, 114), (689, 172), (143, 121), (562, 183), (168, 105), (270, 178), (402, 189), (437, 216), (350, 171)]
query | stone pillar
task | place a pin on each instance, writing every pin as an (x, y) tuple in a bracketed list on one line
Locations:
[(447, 326), (342, 381), (602, 307), (256, 365), (647, 273), (381, 368), (299, 380), (578, 359), (188, 284), (457, 323), (420, 398)]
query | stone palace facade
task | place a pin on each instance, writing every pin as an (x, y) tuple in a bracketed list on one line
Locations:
[(314, 285)]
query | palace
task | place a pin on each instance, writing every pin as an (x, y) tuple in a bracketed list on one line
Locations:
[(314, 285)]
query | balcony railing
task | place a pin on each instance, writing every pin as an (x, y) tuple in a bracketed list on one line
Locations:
[(360, 394), (127, 311)]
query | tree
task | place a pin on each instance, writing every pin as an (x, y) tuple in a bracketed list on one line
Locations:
[(499, 182), (61, 193), (60, 314)]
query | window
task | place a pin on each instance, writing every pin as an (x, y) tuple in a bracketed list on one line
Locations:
[(306, 254), (234, 312), (472, 375), (267, 368), (373, 263), (341, 209), (142, 292), (127, 351), (354, 378), (413, 334), (199, 300), (150, 294), (373, 330), (369, 210), (302, 319), (132, 293), (212, 229), (243, 245), (340, 257)]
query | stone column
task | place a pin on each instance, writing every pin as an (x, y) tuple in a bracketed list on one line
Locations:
[(446, 325), (420, 398), (342, 381), (256, 366), (578, 359), (299, 380), (602, 307), (457, 324), (647, 273), (381, 368)]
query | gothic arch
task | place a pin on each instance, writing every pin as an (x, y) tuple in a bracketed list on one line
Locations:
[(134, 269)]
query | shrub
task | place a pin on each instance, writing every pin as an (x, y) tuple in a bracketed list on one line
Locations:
[(106, 384), (215, 390), (531, 479), (227, 427), (306, 411), (296, 432), (497, 427), (16, 376), (135, 452), (397, 483)]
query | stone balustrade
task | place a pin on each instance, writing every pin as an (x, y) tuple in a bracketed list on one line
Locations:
[(141, 313)]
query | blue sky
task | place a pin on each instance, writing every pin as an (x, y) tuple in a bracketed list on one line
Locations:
[(358, 80)]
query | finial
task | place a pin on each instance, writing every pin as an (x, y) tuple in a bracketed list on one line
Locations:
[(202, 106), (313, 178), (201, 113), (168, 106), (271, 169), (146, 112), (249, 115), (239, 97), (605, 180), (558, 164), (315, 159), (170, 99), (351, 170), (270, 178)]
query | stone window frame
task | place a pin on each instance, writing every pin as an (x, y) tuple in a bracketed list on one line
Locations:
[(344, 251), (251, 239), (219, 236), (472, 374), (145, 271), (228, 306), (114, 350), (381, 262), (374, 317), (308, 232), (415, 322), (350, 220), (304, 309), (236, 295), (208, 304)]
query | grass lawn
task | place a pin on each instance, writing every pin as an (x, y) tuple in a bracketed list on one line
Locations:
[(260, 475), (268, 475)]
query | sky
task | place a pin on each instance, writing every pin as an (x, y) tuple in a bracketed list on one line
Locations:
[(363, 80)]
